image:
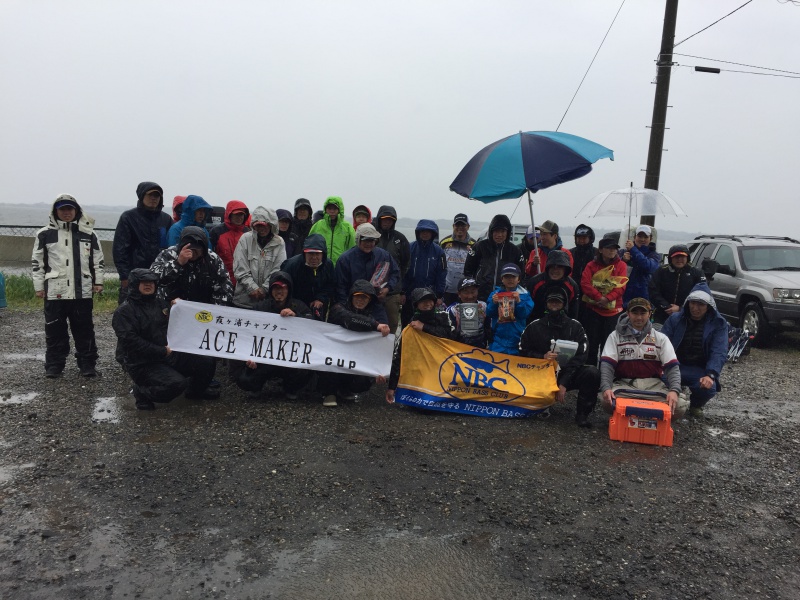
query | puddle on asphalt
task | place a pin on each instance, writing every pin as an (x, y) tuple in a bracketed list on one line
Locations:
[(10, 398), (18, 356), (106, 410), (7, 472)]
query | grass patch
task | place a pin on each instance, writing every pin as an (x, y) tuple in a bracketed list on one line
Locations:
[(20, 294)]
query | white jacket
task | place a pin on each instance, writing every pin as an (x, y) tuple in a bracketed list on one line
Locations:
[(252, 264), (67, 259)]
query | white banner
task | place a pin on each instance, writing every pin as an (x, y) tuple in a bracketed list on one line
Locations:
[(242, 334)]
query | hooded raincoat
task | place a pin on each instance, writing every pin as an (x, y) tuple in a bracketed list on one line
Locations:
[(313, 284), (190, 206), (253, 262), (428, 266), (486, 259), (338, 237), (225, 236)]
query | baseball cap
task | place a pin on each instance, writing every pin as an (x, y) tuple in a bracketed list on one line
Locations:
[(644, 229), (360, 210), (282, 284), (582, 230), (510, 269), (367, 231), (678, 250), (556, 293), (66, 200), (608, 242), (467, 282), (548, 227), (461, 218), (639, 303)]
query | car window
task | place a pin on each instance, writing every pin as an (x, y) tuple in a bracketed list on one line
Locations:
[(707, 251), (765, 259), (725, 256)]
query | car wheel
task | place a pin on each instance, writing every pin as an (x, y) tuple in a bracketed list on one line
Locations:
[(754, 321)]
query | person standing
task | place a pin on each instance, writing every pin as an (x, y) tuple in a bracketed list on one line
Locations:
[(584, 251), (285, 231), (339, 235), (456, 247), (427, 267), (225, 236), (643, 262), (68, 267), (361, 214), (486, 258), (549, 240), (258, 255), (301, 222), (195, 211), (141, 234), (396, 244), (671, 283)]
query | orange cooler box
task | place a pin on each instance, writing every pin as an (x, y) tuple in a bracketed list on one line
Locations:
[(641, 421)]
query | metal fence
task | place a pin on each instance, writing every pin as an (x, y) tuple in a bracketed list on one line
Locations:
[(30, 231)]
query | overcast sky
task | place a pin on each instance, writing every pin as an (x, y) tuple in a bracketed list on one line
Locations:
[(384, 103)]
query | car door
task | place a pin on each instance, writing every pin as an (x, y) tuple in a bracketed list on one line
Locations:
[(725, 286)]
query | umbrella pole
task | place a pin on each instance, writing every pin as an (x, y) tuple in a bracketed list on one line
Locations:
[(533, 226), (630, 212)]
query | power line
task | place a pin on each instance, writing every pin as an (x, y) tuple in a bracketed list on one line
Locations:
[(590, 65), (737, 64), (745, 72), (714, 23)]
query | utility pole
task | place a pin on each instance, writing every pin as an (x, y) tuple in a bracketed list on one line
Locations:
[(663, 72)]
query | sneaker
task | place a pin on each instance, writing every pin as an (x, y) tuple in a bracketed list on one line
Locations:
[(53, 372), (88, 371), (329, 400), (696, 412), (207, 394), (582, 421)]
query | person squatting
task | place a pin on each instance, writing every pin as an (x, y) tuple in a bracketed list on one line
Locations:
[(365, 276)]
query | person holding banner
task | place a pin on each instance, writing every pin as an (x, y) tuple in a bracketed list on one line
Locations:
[(426, 319), (279, 301), (508, 306), (158, 373), (361, 311), (541, 339), (469, 319), (313, 276)]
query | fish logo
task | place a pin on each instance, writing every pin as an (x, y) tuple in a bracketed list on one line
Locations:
[(204, 316), (476, 375)]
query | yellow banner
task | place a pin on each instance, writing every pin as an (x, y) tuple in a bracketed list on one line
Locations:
[(441, 374)]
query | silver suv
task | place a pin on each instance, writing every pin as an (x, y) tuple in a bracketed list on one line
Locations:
[(755, 280)]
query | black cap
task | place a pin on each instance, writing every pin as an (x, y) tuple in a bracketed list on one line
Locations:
[(461, 218), (467, 282), (608, 242)]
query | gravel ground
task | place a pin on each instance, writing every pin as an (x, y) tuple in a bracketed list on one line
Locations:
[(239, 498)]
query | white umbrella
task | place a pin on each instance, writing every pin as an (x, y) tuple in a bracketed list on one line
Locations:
[(631, 202)]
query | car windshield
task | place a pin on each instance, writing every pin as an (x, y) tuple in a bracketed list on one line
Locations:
[(771, 258)]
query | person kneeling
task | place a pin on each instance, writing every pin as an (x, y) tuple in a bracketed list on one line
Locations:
[(361, 311), (537, 342), (425, 318), (634, 360), (469, 319), (699, 335), (158, 373), (280, 302)]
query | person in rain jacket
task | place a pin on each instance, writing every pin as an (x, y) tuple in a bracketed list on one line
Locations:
[(313, 275), (555, 274), (258, 255), (506, 335), (361, 214), (281, 302), (699, 335), (671, 283), (177, 208), (427, 267), (158, 373), (549, 240), (486, 258), (456, 247), (601, 308), (396, 244), (225, 236), (360, 310), (339, 235), (141, 233), (362, 261), (425, 319), (584, 251), (286, 233), (190, 271), (643, 261), (195, 211), (68, 267), (301, 222)]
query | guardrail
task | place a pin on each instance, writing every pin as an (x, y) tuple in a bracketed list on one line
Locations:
[(30, 231)]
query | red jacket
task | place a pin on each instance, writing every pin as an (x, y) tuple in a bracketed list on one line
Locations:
[(615, 295), (530, 268), (225, 237)]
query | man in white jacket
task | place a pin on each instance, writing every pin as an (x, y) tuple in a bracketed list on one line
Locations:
[(67, 266), (258, 254)]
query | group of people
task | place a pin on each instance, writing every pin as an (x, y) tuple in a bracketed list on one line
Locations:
[(365, 275)]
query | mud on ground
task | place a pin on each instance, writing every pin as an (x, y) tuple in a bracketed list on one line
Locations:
[(238, 498)]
